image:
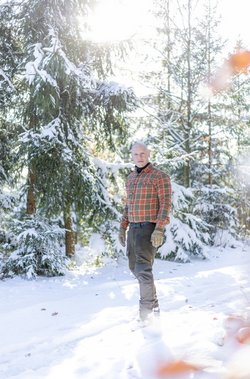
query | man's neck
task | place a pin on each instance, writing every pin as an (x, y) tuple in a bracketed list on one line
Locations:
[(139, 169)]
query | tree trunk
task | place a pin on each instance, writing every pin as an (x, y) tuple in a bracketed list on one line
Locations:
[(168, 53), (188, 125), (31, 200), (69, 232), (210, 153), (186, 174)]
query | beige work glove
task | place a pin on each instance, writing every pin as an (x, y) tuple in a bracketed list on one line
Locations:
[(122, 236), (157, 238)]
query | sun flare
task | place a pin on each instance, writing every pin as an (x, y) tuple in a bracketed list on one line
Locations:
[(117, 20)]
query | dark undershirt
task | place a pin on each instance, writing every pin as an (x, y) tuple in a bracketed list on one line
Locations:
[(139, 169)]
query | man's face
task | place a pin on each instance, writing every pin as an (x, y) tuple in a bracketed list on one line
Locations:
[(140, 155)]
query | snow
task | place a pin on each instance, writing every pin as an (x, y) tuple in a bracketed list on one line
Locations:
[(33, 68), (5, 78), (83, 324)]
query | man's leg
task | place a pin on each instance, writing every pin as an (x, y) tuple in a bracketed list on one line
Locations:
[(131, 249), (141, 255)]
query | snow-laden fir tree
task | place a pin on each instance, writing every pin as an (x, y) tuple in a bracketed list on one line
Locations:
[(66, 106), (8, 61), (236, 108), (38, 249)]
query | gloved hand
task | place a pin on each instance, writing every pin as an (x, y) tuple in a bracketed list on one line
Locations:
[(157, 238), (122, 236)]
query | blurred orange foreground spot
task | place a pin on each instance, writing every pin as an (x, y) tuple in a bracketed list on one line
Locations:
[(240, 61), (170, 369), (243, 335)]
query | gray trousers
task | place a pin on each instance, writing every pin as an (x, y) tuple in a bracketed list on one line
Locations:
[(141, 256)]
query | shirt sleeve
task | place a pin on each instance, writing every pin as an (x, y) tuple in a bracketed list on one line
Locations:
[(164, 192), (124, 221)]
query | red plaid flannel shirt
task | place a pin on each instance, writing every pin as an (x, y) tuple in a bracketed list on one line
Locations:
[(148, 198)]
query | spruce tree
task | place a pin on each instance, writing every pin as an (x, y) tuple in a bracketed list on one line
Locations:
[(8, 64), (65, 107)]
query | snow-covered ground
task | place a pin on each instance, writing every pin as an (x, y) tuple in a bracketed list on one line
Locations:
[(83, 325)]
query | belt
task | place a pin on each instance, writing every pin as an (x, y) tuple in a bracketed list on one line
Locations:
[(140, 224)]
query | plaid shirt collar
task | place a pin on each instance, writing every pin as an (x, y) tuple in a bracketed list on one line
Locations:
[(147, 169)]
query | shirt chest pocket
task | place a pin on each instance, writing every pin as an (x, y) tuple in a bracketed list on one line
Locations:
[(145, 184), (140, 185)]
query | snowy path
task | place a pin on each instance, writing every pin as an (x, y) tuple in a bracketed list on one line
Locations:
[(79, 326)]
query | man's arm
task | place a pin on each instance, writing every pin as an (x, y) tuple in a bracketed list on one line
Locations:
[(123, 226), (124, 221), (164, 192)]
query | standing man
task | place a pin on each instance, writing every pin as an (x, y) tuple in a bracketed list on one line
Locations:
[(146, 213)]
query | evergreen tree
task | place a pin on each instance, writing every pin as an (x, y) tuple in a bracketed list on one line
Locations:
[(237, 128), (37, 249), (8, 63), (65, 107)]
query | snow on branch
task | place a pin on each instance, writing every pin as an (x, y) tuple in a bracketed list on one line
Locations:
[(49, 132), (6, 79), (115, 95), (6, 200), (33, 67), (43, 56), (113, 167)]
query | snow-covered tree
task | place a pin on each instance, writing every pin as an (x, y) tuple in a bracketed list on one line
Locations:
[(36, 249), (63, 111), (188, 232), (66, 106), (8, 62)]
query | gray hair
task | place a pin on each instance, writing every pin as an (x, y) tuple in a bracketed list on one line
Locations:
[(138, 143)]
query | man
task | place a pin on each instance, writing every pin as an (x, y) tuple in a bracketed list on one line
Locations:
[(146, 213)]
